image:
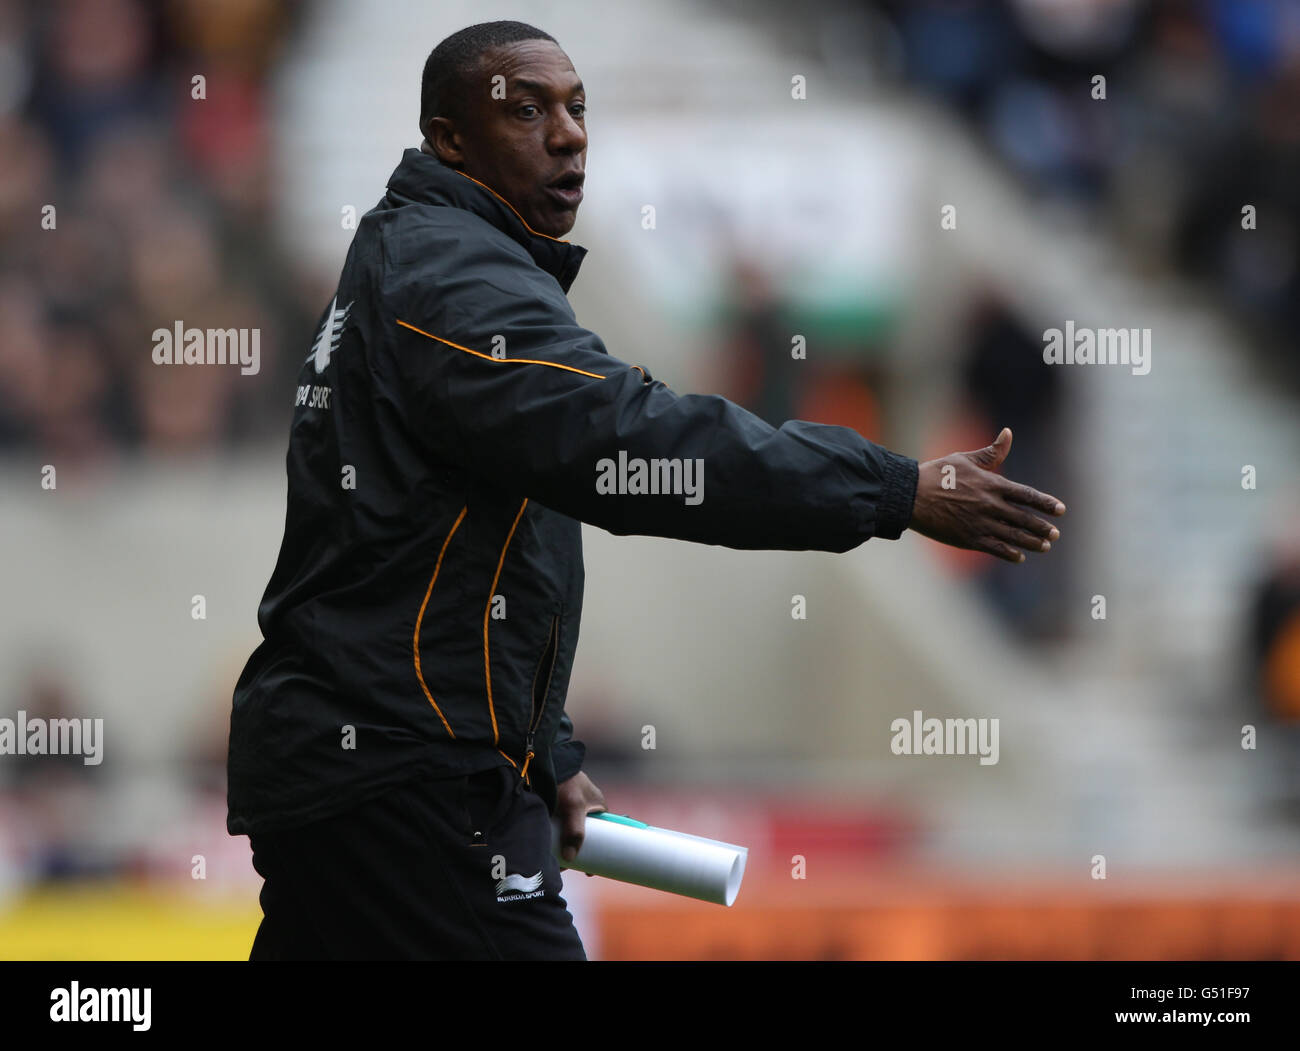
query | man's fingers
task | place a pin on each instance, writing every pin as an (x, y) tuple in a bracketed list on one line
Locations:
[(593, 809), (1023, 538), (1030, 523), (993, 546), (1023, 494), (574, 833)]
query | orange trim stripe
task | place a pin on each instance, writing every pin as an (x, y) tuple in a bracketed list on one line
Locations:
[(489, 357), (509, 760), (487, 663), (642, 371), (420, 619), (535, 233)]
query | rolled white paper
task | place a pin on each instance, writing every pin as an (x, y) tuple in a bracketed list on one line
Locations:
[(659, 858)]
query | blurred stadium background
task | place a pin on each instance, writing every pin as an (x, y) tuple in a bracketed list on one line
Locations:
[(819, 216)]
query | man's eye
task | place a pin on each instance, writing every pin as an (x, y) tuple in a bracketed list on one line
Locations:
[(580, 109), (526, 106)]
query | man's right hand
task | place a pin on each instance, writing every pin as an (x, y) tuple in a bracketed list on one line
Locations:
[(980, 510)]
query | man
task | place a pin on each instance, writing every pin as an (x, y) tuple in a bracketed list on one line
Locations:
[(398, 741)]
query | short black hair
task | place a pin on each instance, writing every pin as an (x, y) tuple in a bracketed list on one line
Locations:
[(450, 65)]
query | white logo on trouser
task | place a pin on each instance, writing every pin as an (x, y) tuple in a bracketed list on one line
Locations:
[(516, 887)]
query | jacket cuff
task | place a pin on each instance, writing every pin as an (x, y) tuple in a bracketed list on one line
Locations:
[(567, 757), (898, 497)]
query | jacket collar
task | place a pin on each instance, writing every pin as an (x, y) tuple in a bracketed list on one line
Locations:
[(423, 179)]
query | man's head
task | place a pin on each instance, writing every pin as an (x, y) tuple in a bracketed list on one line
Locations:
[(501, 102)]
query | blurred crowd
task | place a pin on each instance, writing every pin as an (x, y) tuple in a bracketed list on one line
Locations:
[(1197, 118), (133, 194), (137, 180), (1172, 126)]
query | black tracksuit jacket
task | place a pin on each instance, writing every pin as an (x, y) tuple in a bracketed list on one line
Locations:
[(448, 430)]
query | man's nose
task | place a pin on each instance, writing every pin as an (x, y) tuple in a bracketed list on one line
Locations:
[(567, 135)]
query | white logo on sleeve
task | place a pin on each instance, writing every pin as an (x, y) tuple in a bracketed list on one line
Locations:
[(517, 888), (327, 339)]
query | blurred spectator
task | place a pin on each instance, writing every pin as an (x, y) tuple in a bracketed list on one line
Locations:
[(762, 375), (835, 384), (1274, 649), (1007, 384), (23, 361), (50, 800), (99, 65)]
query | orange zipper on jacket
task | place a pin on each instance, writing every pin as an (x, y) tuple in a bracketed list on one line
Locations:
[(552, 647)]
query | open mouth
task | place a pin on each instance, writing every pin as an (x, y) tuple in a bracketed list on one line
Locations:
[(568, 188)]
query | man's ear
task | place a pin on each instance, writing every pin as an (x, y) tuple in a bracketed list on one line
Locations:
[(444, 142)]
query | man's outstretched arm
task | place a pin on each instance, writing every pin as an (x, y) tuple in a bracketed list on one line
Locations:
[(504, 382)]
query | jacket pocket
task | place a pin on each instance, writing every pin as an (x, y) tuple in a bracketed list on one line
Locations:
[(440, 809), (472, 835), (540, 688)]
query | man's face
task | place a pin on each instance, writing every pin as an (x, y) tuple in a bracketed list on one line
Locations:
[(530, 146)]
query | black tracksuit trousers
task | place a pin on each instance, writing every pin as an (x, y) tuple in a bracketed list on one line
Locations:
[(451, 868)]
